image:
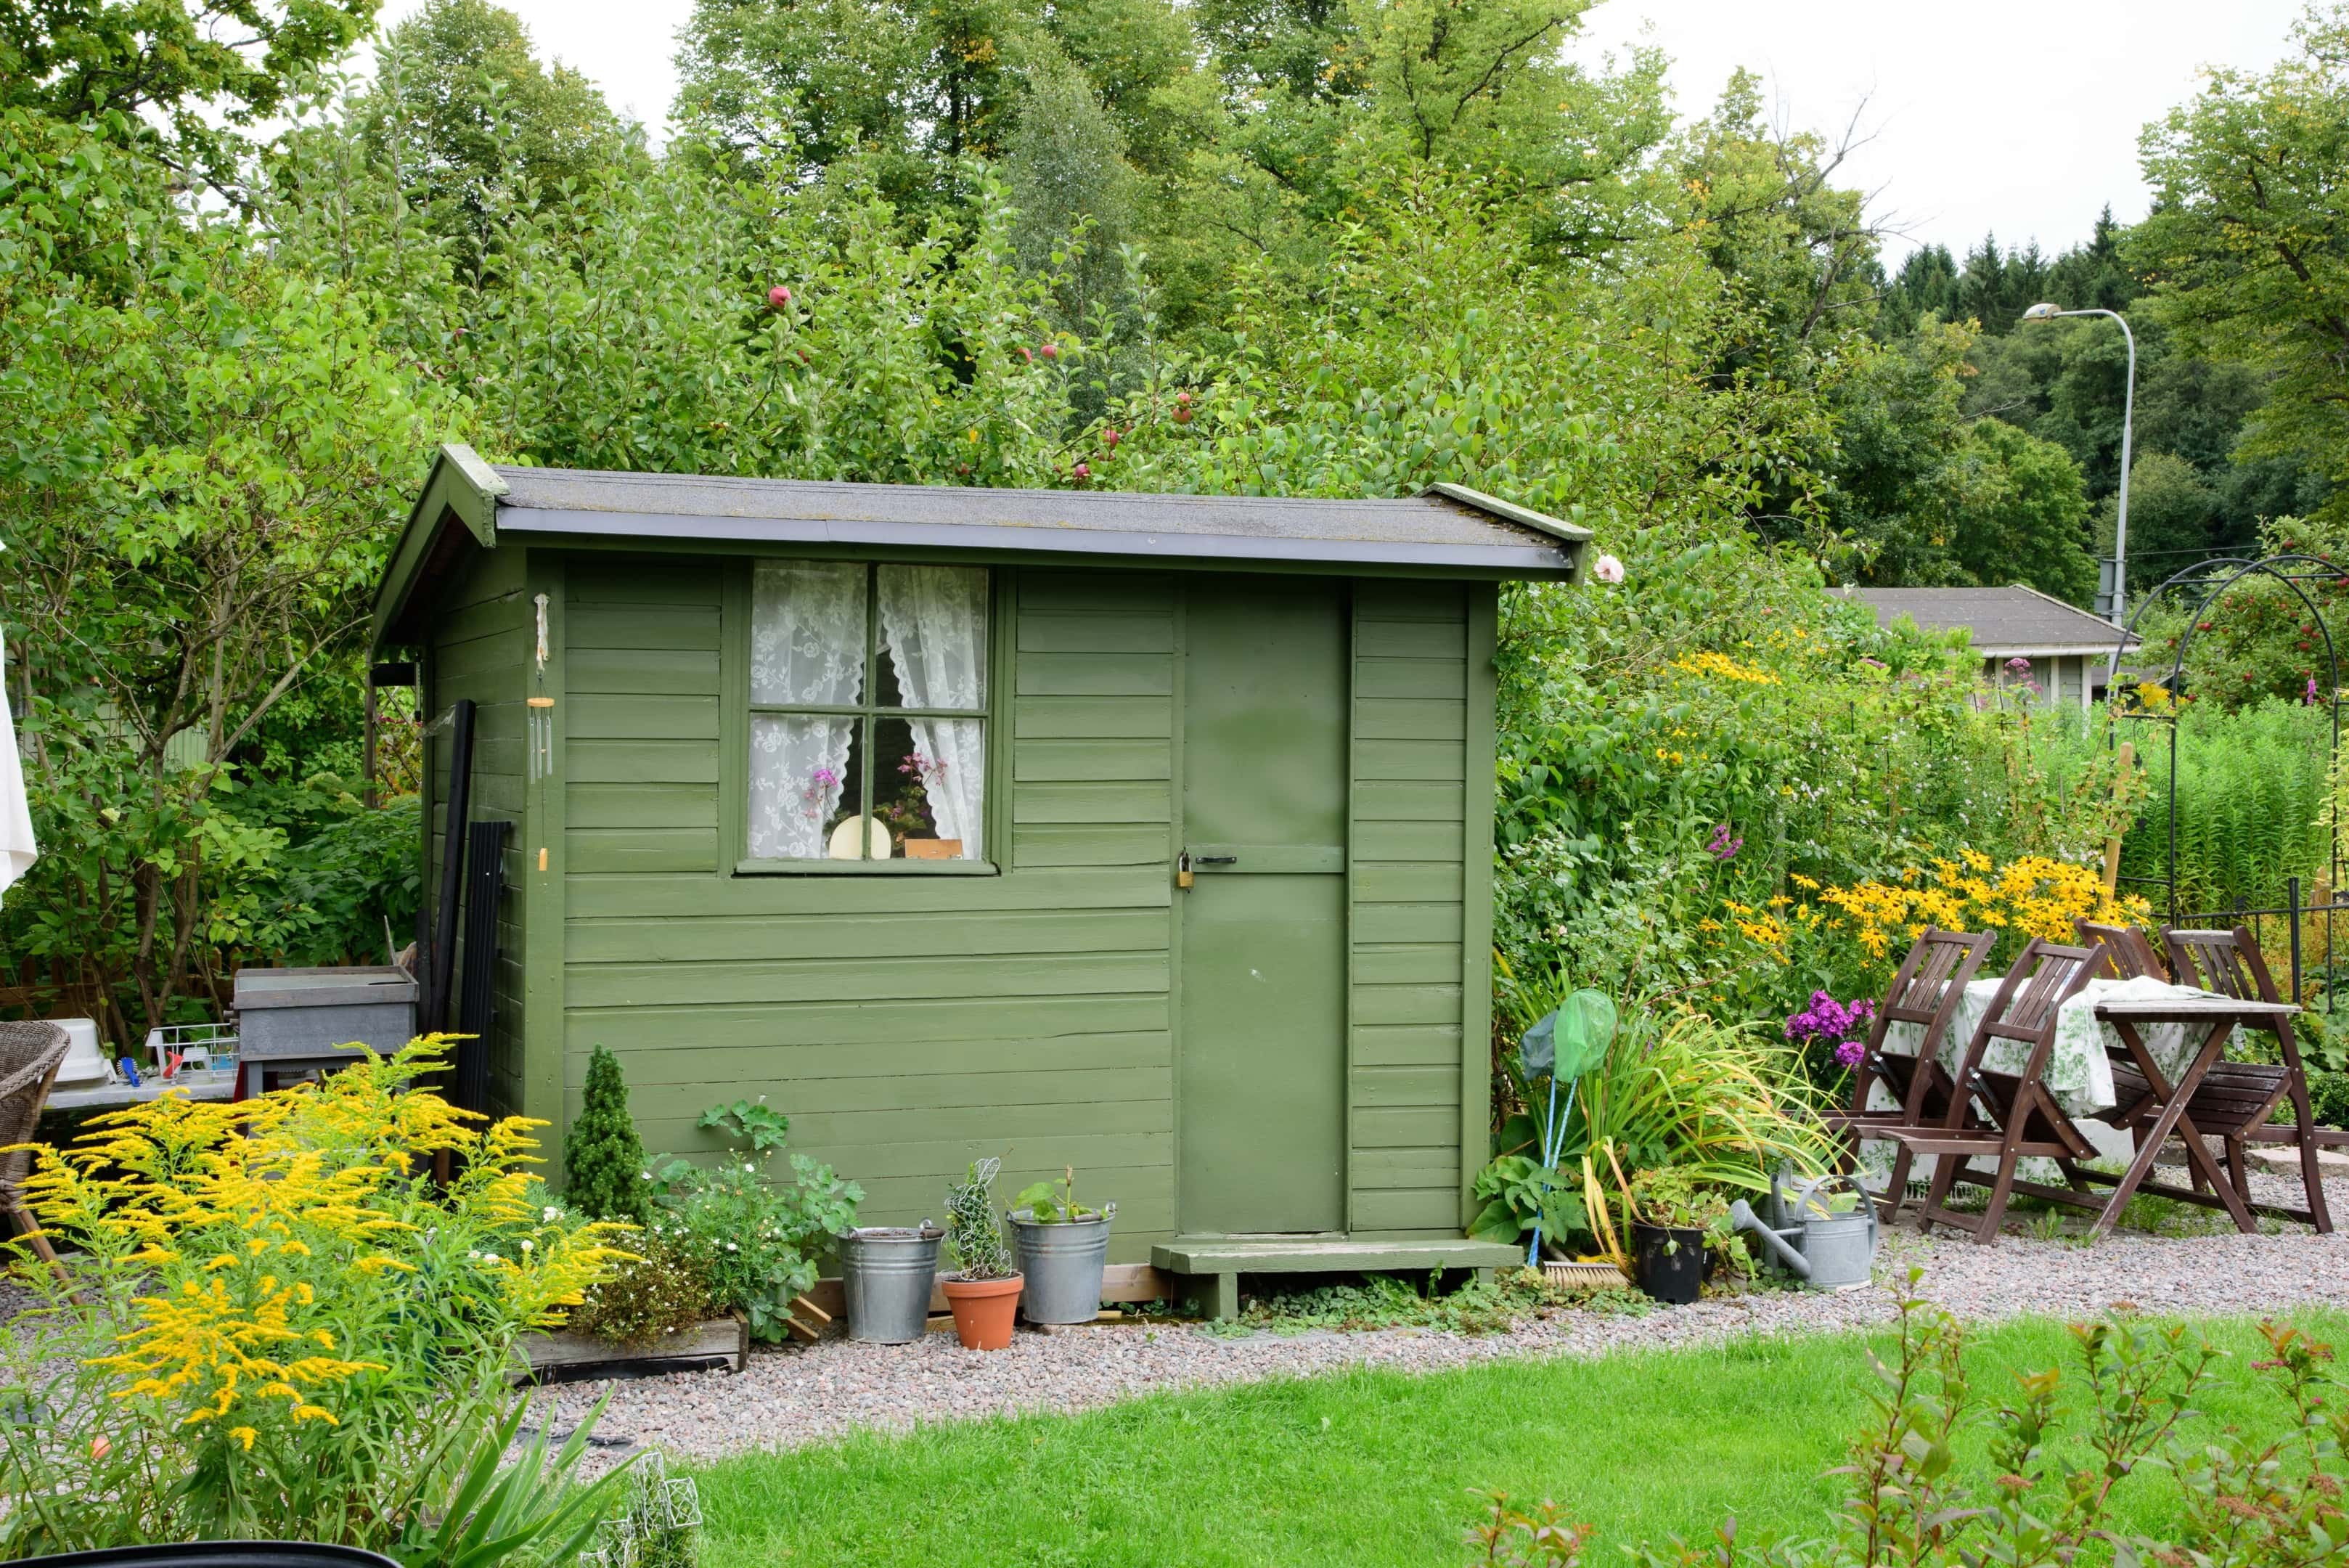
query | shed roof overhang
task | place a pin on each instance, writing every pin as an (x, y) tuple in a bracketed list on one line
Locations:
[(1448, 531)]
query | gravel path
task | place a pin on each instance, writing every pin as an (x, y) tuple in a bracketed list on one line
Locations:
[(786, 1398)]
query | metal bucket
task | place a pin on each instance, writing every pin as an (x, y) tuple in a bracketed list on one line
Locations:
[(887, 1274), (1064, 1264)]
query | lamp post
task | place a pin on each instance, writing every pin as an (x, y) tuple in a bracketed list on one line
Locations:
[(2044, 312)]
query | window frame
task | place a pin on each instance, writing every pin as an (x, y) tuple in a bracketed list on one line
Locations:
[(734, 772)]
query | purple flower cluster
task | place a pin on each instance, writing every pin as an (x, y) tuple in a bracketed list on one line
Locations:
[(1723, 847), (1845, 1024)]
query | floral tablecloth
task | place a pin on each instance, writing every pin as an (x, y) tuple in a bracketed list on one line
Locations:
[(2079, 1071)]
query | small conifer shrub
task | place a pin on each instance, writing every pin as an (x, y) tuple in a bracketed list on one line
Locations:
[(601, 1156)]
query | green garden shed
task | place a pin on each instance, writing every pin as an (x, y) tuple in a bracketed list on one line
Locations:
[(1145, 834)]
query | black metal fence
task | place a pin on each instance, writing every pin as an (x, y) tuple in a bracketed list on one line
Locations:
[(2303, 931)]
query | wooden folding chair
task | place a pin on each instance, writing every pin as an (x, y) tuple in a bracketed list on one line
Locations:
[(2006, 1117), (2235, 1100), (30, 1055), (2127, 950), (1927, 989)]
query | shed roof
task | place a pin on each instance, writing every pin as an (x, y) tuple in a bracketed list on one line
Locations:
[(1447, 531), (2005, 622)]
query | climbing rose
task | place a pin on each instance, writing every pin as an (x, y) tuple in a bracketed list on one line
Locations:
[(1607, 569), (779, 297)]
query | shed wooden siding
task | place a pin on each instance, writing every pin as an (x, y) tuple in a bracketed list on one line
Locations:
[(906, 1024), (481, 649), (1412, 743)]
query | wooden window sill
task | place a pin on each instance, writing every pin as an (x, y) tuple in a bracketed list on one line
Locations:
[(866, 868)]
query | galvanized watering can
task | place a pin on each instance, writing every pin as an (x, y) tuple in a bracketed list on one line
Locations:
[(1826, 1250)]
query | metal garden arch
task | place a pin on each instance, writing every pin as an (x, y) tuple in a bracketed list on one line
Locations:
[(2224, 574)]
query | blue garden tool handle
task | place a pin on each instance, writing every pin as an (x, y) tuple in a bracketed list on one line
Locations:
[(1552, 1135)]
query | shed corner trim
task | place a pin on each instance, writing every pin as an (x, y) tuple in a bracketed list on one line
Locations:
[(461, 490), (1525, 516)]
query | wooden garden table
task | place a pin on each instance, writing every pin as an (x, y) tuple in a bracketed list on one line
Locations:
[(2220, 1017)]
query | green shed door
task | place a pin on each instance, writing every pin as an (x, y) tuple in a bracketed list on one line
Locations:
[(1261, 1092)]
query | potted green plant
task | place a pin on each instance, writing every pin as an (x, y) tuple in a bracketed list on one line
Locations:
[(1062, 1248), (984, 1291), (1674, 1218)]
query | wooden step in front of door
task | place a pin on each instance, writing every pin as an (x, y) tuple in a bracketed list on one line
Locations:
[(1215, 1263)]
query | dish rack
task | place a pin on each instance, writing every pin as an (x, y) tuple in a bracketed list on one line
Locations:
[(200, 1048)]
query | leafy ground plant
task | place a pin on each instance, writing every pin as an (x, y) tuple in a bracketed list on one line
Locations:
[(756, 1242), (273, 1323), (666, 1288), (1387, 1301), (1718, 1102)]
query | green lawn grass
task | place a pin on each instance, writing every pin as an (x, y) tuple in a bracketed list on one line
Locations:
[(1380, 1468)]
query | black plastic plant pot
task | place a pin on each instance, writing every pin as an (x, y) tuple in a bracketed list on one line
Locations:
[(1668, 1262), (223, 1554)]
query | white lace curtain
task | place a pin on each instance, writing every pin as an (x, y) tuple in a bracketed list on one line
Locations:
[(933, 623), (807, 647)]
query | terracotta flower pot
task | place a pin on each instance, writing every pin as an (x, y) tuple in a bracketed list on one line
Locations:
[(983, 1309)]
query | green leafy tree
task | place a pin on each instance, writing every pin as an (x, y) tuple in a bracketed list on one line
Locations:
[(1800, 248), (1065, 171), (1141, 57), (194, 502), (2175, 518), (2094, 276), (800, 86), (1926, 285), (177, 80), (2247, 248), (1898, 429), (2260, 640), (1998, 285), (2012, 510), (462, 109), (604, 1163)]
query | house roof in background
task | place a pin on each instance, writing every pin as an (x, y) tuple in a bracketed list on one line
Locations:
[(2004, 622), (1447, 531)]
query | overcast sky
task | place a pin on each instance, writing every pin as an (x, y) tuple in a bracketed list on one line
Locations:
[(2020, 116)]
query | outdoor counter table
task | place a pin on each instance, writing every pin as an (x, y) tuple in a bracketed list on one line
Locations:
[(106, 1096)]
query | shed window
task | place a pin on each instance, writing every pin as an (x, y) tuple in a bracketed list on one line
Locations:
[(868, 712)]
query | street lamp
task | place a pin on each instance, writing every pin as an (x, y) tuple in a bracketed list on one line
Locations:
[(2045, 312)]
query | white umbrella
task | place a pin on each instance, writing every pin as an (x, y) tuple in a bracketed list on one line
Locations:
[(16, 846)]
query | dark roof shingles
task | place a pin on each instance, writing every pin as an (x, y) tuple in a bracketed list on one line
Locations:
[(1999, 617)]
